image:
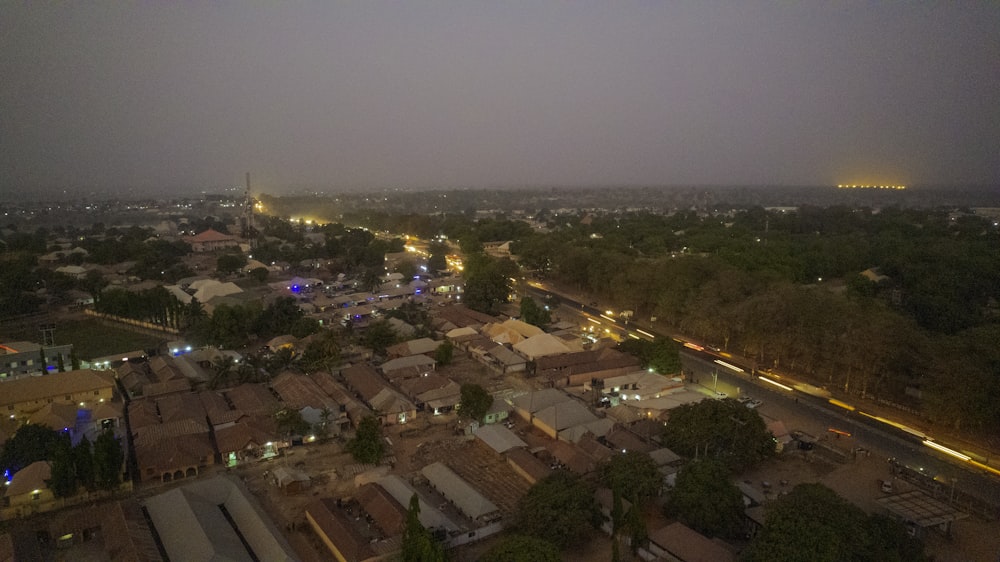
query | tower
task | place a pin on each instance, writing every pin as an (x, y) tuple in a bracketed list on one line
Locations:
[(249, 232)]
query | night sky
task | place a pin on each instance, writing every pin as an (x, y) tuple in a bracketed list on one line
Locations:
[(181, 95)]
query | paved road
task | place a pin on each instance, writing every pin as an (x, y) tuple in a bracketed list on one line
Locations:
[(801, 412)]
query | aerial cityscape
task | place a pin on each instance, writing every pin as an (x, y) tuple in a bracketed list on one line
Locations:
[(496, 282)]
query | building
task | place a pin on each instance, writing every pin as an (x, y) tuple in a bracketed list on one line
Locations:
[(24, 358), (86, 388), (29, 492), (215, 519), (211, 240)]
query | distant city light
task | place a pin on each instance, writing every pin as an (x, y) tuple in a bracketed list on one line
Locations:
[(868, 186)]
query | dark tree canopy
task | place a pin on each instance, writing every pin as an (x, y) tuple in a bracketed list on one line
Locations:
[(367, 445), (705, 499), (662, 355), (475, 401), (534, 314), (560, 508), (814, 523), (521, 548), (444, 352), (29, 444), (719, 429), (487, 283), (633, 475)]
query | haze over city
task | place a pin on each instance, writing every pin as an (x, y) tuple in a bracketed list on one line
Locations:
[(166, 98)]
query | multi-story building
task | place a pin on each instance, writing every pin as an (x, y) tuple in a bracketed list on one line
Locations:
[(25, 358)]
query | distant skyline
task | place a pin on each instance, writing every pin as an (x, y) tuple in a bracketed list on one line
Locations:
[(185, 96)]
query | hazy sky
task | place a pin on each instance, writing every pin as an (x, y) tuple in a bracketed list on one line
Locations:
[(172, 95)]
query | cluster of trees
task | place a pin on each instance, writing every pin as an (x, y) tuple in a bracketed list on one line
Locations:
[(786, 289), (155, 305), (724, 430), (96, 466), (813, 523)]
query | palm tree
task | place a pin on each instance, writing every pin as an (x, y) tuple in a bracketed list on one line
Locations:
[(222, 367)]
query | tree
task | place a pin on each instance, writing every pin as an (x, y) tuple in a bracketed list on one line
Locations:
[(258, 274), (42, 360), (560, 508), (474, 402), (290, 422), (378, 336), (444, 352), (323, 352), (522, 548), (721, 429), (282, 359), (83, 462), (534, 314), (62, 480), (439, 257), (813, 523), (662, 355), (418, 544), (304, 327), (367, 445), (108, 459), (222, 369), (74, 361), (30, 443), (632, 474), (227, 264), (705, 499), (61, 363), (279, 317), (487, 283)]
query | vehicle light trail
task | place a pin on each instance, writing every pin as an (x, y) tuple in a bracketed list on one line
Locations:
[(647, 334), (843, 405), (730, 366), (946, 450), (775, 383)]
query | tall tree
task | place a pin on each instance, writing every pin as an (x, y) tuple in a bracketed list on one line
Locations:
[(367, 445), (418, 544), (83, 462), (444, 352), (63, 482), (108, 459)]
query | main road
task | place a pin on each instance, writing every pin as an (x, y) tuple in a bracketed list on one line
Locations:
[(819, 416)]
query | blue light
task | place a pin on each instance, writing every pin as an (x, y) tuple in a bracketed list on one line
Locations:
[(295, 288)]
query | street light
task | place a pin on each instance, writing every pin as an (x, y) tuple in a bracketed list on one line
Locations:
[(715, 379)]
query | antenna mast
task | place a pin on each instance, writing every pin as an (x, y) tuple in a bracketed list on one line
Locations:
[(249, 232)]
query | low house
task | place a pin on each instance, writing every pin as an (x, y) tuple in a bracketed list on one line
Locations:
[(467, 499), (29, 491), (391, 406), (498, 438), (421, 346), (526, 465), (249, 440), (574, 369), (337, 532), (407, 367), (680, 543)]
